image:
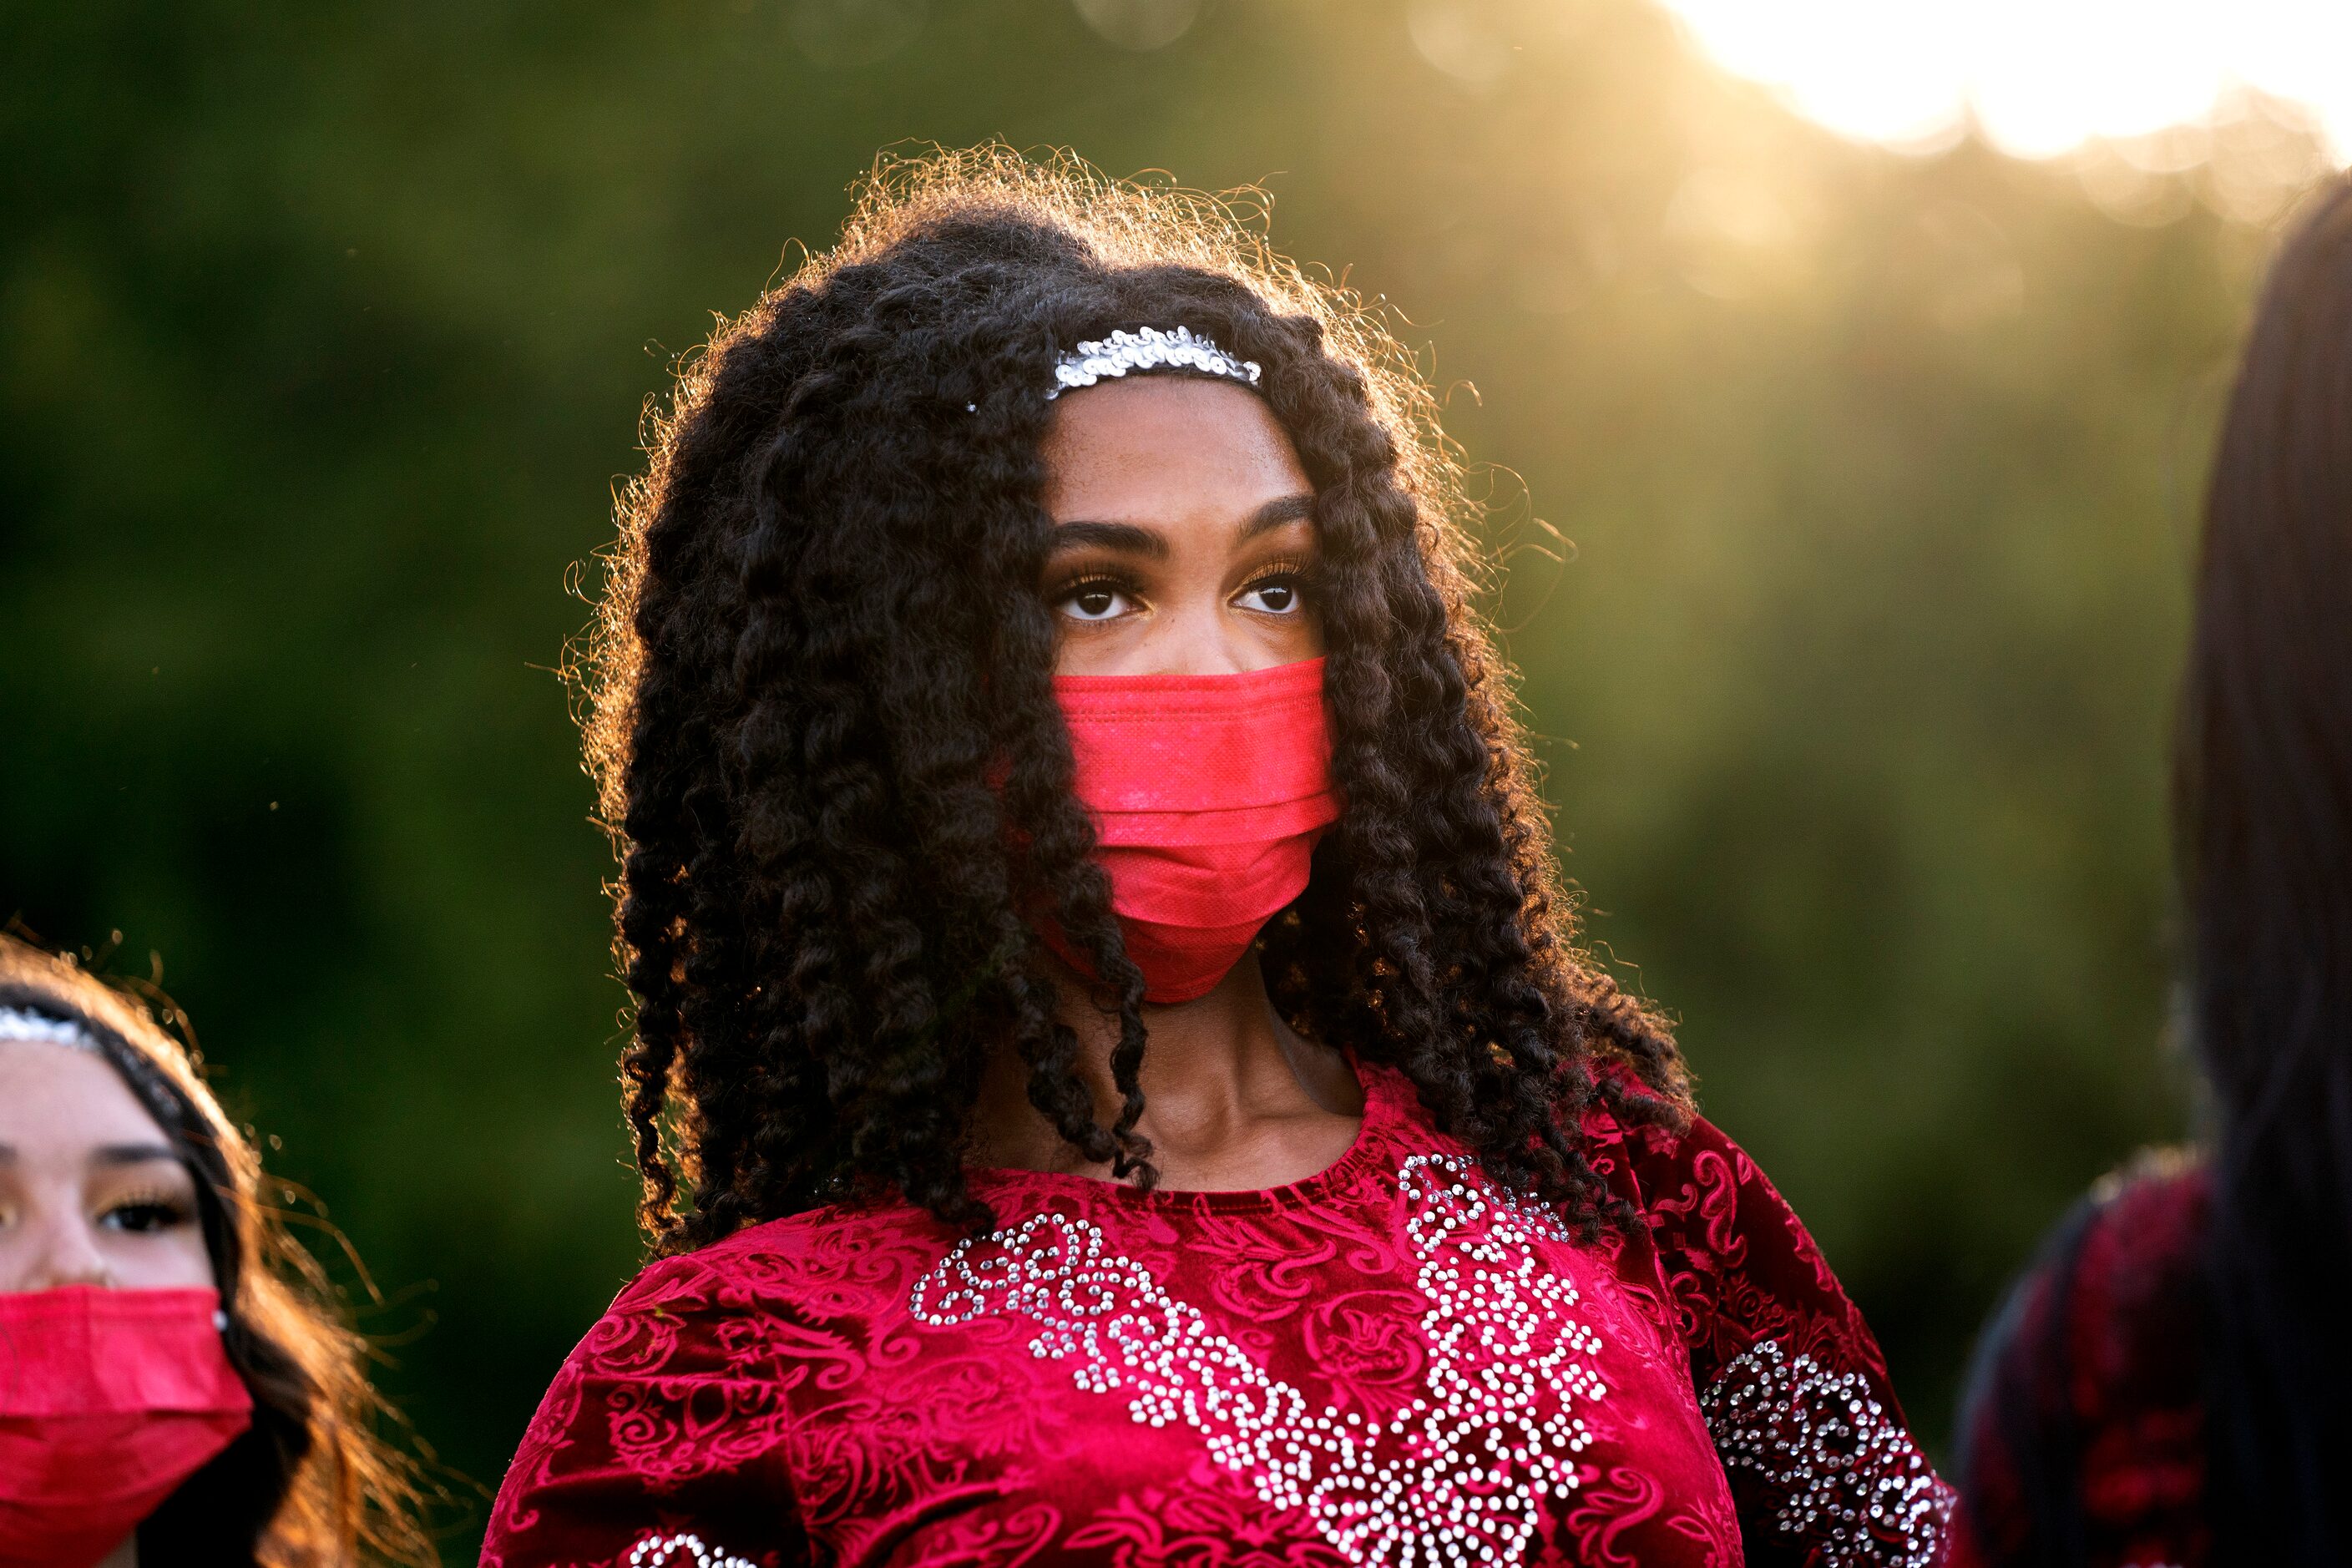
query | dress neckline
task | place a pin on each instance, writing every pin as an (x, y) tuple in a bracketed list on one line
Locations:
[(1385, 1094)]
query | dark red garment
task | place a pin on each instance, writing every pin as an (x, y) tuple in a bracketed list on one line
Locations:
[(1393, 1362), (2086, 1420)]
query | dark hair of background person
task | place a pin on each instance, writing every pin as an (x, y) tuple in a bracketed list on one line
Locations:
[(820, 708), (310, 1484), (2264, 781)]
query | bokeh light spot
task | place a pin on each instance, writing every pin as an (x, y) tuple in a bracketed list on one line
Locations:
[(1139, 23)]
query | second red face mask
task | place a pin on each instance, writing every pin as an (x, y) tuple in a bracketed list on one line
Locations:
[(1208, 794), (109, 1400)]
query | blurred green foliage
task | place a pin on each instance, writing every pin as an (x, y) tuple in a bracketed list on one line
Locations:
[(323, 335)]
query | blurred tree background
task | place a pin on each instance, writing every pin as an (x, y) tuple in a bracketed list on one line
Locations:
[(323, 335)]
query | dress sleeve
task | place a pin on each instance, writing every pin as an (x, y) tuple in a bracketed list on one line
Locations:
[(2019, 1441), (655, 1448), (1793, 1388), (2082, 1435)]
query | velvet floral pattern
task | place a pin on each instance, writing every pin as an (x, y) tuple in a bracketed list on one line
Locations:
[(1395, 1362)]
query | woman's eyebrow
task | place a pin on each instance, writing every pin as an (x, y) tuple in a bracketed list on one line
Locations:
[(1274, 513), (1124, 537), (1131, 539), (131, 1154)]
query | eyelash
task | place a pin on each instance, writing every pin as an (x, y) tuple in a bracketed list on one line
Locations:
[(167, 1211), (1299, 570), (1084, 580)]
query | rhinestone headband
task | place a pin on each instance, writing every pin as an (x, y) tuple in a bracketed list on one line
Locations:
[(1124, 353), (23, 1024)]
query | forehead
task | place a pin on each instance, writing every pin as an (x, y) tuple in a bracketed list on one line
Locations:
[(59, 1098), (1136, 445)]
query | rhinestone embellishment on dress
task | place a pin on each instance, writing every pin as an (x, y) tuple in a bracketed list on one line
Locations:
[(1123, 353), (1457, 1474), (664, 1551), (1822, 1440)]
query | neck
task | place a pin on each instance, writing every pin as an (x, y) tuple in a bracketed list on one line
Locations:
[(123, 1556), (1233, 1097)]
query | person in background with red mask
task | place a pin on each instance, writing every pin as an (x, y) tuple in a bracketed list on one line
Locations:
[(168, 1394), (1112, 1076)]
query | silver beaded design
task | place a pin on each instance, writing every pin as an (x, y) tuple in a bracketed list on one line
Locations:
[(662, 1552), (1852, 1481), (1123, 353), (1458, 1475)]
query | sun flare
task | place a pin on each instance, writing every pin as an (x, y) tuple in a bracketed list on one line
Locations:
[(2041, 76)]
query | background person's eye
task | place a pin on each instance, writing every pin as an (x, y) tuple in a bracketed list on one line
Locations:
[(143, 1216), (1276, 595)]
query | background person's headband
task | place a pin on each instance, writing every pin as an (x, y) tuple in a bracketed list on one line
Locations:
[(25, 1024), (166, 1101), (1124, 353)]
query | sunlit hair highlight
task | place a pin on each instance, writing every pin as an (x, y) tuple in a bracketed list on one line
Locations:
[(821, 630)]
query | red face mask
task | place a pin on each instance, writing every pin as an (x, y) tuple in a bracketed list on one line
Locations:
[(109, 1400), (1208, 794)]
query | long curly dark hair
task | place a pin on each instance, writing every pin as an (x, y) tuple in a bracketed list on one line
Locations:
[(819, 709)]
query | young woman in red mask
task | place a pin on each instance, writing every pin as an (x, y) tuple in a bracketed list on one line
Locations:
[(168, 1396), (1110, 1075)]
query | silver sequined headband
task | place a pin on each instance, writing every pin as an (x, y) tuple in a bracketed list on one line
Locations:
[(23, 1024), (1124, 353)]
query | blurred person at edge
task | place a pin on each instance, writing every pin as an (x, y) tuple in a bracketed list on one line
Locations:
[(1093, 928), (2171, 1381), (172, 1391)]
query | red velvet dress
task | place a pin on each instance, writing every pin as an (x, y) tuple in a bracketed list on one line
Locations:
[(1395, 1362)]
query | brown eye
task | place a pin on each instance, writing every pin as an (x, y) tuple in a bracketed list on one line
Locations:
[(1097, 601), (1277, 595)]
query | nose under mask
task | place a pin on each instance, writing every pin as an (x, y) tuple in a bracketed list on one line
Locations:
[(1208, 795), (109, 1401)]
